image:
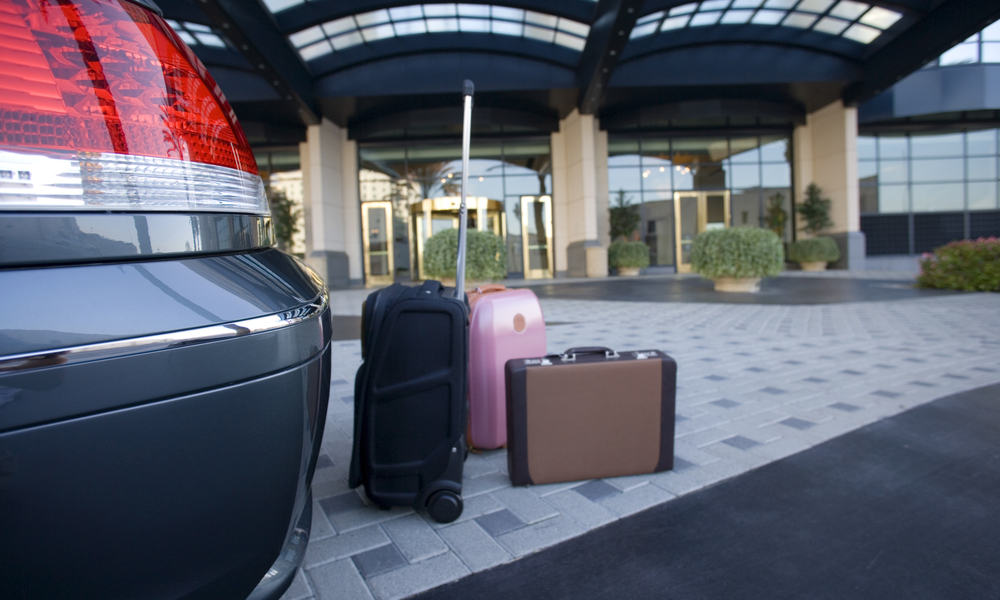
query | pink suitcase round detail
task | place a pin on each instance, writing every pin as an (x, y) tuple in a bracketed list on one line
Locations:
[(504, 325)]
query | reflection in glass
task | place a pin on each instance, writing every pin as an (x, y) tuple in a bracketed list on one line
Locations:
[(892, 171), (774, 149), (536, 227), (979, 143), (940, 169), (892, 148), (744, 150), (893, 199), (658, 215), (866, 147), (688, 225), (938, 196), (936, 145), (982, 195), (624, 178), (777, 175)]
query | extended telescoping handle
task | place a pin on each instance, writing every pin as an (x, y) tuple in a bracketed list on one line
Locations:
[(467, 90)]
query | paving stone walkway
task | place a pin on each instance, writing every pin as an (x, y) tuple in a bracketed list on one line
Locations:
[(756, 384)]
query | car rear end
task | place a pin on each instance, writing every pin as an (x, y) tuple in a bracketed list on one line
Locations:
[(164, 371)]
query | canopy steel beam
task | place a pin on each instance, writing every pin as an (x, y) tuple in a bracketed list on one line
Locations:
[(609, 33), (249, 25), (951, 22)]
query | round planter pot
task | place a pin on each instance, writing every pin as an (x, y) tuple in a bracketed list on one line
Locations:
[(732, 284), (813, 266), (628, 271)]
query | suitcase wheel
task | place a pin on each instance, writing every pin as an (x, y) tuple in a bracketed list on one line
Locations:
[(444, 506)]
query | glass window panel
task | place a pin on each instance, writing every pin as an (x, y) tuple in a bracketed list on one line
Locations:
[(776, 175), (800, 20), (570, 26), (411, 27), (892, 147), (736, 17), (570, 41), (867, 168), (972, 38), (381, 32), (489, 187), (939, 169), (862, 33), (188, 38), (814, 6), (991, 52), (936, 145), (674, 23), (747, 3), (960, 54), (474, 25), (643, 30), (657, 160), (403, 13), (713, 5), (744, 150), (982, 195), (892, 171), (655, 151), (982, 168), (210, 39), (624, 160), (440, 10), (649, 18), (847, 9), (522, 185), (474, 10), (700, 150), (893, 199), (744, 176), (624, 178), (883, 18), (774, 149), (507, 28), (542, 19), (505, 12), (934, 197), (339, 26), (538, 33), (831, 25), (683, 178), (656, 195), (316, 50), (869, 198), (197, 27), (992, 33), (779, 4), (768, 17), (347, 40), (683, 9), (374, 17), (708, 18), (981, 142), (866, 146), (442, 25), (306, 37), (657, 177)]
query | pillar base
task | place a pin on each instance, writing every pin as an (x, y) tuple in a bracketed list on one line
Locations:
[(333, 267), (587, 259), (852, 250)]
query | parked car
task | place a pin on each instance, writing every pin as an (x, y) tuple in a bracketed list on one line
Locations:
[(164, 370)]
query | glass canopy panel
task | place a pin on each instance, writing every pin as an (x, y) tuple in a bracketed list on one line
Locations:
[(423, 19), (856, 21)]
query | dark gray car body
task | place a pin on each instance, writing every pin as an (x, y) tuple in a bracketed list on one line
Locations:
[(163, 388)]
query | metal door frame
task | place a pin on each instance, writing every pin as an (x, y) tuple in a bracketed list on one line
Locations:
[(530, 273), (366, 243)]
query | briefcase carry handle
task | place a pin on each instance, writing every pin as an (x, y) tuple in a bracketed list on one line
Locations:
[(570, 354)]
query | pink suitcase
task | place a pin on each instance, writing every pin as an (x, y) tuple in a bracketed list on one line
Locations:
[(505, 324)]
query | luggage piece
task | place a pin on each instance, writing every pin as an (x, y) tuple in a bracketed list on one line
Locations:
[(410, 399), (590, 413), (505, 324)]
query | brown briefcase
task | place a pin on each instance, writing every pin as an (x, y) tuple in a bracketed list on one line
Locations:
[(590, 413)]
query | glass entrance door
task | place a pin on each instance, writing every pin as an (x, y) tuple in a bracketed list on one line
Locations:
[(695, 212), (376, 224), (536, 233)]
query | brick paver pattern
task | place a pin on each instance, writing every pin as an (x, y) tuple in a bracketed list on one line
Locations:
[(755, 384)]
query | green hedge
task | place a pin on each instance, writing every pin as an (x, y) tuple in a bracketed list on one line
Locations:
[(817, 249), (633, 255), (972, 266), (737, 252), (486, 256)]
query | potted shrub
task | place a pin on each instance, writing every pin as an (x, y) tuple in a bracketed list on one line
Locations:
[(812, 254), (485, 258), (969, 265), (737, 258), (628, 257)]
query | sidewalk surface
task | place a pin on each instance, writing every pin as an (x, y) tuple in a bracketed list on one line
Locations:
[(757, 381)]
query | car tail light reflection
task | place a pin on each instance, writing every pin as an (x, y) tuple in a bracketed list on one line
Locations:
[(103, 107)]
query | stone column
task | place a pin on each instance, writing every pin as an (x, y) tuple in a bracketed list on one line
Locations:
[(826, 153), (580, 197), (330, 198)]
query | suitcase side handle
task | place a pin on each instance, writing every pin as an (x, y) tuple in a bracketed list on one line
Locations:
[(572, 352)]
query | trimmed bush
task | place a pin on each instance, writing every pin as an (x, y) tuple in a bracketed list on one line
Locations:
[(817, 249), (740, 252), (628, 255), (486, 256), (972, 266)]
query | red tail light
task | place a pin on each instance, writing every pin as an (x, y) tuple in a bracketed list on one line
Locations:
[(109, 87)]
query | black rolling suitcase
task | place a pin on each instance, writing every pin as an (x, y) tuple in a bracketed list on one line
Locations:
[(410, 394)]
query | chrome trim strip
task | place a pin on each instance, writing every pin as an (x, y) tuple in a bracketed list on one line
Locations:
[(164, 341)]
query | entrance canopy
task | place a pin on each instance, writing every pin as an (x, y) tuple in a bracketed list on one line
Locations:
[(374, 65)]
